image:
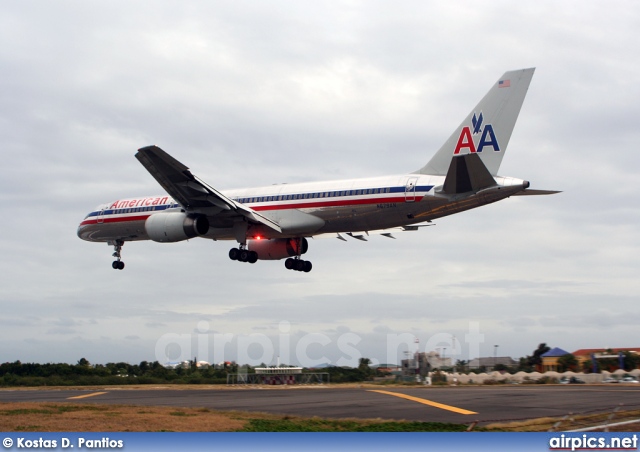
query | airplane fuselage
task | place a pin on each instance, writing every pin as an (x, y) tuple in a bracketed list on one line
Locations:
[(355, 205)]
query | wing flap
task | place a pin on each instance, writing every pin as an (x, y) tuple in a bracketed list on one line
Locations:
[(362, 235)]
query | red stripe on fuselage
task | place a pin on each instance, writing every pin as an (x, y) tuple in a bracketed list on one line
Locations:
[(317, 203), (281, 205), (107, 219)]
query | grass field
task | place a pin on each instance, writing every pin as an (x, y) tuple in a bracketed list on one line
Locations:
[(68, 417)]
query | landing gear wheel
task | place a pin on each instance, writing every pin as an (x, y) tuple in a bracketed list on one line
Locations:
[(253, 257), (234, 253), (299, 265), (243, 256), (117, 248)]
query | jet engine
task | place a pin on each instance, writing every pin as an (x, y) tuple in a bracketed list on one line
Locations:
[(175, 226), (278, 248)]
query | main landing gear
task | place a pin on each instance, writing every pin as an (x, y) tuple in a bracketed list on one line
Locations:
[(243, 255), (117, 248), (298, 264), (274, 249)]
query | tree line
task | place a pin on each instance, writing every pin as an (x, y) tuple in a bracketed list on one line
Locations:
[(83, 373)]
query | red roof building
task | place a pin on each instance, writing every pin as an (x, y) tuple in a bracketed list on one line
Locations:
[(601, 352), (584, 354)]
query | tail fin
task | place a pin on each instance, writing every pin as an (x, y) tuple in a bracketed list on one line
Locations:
[(487, 129)]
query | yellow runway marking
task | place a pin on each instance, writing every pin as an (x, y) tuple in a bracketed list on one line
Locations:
[(86, 395), (426, 402)]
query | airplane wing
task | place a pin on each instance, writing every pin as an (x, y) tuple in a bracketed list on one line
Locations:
[(192, 193)]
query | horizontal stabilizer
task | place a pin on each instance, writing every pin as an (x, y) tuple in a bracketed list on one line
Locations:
[(466, 174), (536, 192)]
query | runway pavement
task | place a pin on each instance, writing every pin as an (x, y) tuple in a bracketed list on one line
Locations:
[(461, 404)]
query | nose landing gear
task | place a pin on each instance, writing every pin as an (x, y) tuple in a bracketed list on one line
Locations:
[(117, 248)]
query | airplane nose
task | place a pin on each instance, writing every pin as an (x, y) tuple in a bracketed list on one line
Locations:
[(83, 232)]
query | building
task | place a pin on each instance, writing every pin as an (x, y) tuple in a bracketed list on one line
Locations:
[(418, 365), (386, 368), (423, 363), (588, 354), (550, 359), (491, 362), (277, 375), (436, 361)]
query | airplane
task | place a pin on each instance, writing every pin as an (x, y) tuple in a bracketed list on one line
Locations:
[(274, 222)]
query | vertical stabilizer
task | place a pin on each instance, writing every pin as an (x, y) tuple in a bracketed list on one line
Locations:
[(487, 128)]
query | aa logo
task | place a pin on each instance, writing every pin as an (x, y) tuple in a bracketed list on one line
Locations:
[(487, 136)]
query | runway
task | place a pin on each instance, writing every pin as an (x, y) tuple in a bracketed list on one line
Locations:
[(460, 404)]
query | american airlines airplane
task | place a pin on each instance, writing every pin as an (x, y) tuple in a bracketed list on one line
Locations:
[(274, 222)]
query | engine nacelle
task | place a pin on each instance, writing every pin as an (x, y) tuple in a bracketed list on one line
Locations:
[(275, 249), (175, 226)]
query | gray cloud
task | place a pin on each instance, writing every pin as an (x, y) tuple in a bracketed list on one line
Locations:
[(257, 94)]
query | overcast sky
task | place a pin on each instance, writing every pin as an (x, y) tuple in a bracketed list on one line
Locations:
[(254, 93)]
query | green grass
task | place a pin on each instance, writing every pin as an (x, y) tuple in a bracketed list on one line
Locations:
[(325, 425), (28, 428), (70, 408), (22, 412), (180, 413), (51, 409)]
